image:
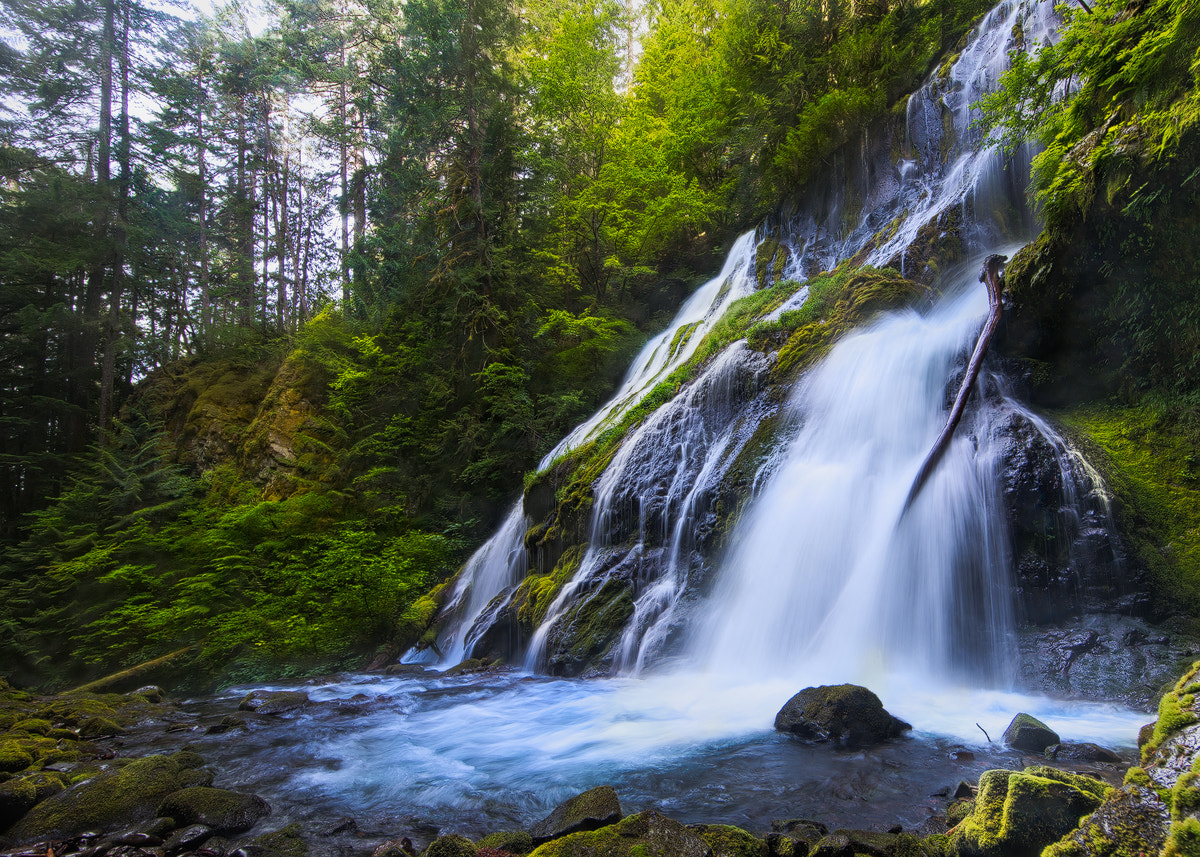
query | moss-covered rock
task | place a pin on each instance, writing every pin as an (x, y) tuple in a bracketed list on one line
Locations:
[(273, 701), (729, 841), (586, 633), (99, 727), (846, 715), (1029, 734), (590, 810), (1020, 813), (451, 845), (223, 810), (33, 725), (647, 834), (18, 796), (14, 757), (509, 841), (119, 796)]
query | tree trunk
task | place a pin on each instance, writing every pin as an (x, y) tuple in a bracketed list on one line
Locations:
[(992, 274)]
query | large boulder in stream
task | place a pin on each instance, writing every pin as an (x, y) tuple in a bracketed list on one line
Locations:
[(591, 810), (846, 715), (221, 810), (1028, 734)]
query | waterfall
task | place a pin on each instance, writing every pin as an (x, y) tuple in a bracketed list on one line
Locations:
[(499, 564), (828, 495), (826, 572)]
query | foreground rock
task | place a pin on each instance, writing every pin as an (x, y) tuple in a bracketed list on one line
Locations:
[(1157, 811), (273, 701), (1019, 813), (221, 810), (1030, 735), (647, 834), (591, 810), (846, 715), (117, 797)]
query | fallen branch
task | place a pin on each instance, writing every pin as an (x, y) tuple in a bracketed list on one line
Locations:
[(985, 735), (991, 274), (132, 672)]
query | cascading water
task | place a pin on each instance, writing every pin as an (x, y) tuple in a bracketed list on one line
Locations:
[(499, 564)]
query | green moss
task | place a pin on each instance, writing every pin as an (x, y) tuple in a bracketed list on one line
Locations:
[(1183, 840), (959, 810), (1023, 812), (123, 795), (537, 591), (1150, 462), (287, 841), (14, 757), (514, 842), (34, 726), (647, 834), (593, 625), (452, 845), (1174, 713), (729, 841)]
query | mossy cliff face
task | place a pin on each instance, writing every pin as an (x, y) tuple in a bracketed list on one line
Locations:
[(261, 417)]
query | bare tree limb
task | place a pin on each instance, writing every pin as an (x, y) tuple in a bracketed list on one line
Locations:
[(991, 274)]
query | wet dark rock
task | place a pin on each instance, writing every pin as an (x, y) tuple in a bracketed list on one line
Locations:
[(836, 844), (273, 701), (223, 810), (846, 715), (1127, 659), (963, 789), (150, 693), (591, 810), (1028, 734), (228, 723), (960, 754), (342, 825), (138, 839), (583, 637), (188, 838), (401, 847), (404, 669), (1081, 752)]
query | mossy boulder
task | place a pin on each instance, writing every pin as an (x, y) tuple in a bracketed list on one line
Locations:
[(590, 810), (1134, 820), (729, 841), (647, 834), (451, 845), (99, 727), (13, 757), (223, 810), (33, 725), (20, 795), (120, 796), (1018, 813), (846, 715), (1028, 734), (510, 841), (273, 701), (586, 633)]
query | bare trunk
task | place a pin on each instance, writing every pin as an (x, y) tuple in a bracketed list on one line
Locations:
[(992, 274)]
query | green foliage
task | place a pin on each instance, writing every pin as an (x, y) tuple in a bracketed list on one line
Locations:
[(1149, 460), (1138, 93)]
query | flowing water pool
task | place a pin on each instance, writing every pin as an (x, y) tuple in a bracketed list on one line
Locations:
[(497, 751)]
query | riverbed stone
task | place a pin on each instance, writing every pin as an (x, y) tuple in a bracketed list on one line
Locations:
[(1019, 813), (117, 797), (220, 809), (273, 701), (1083, 751), (590, 810), (647, 834), (847, 715), (1028, 734)]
